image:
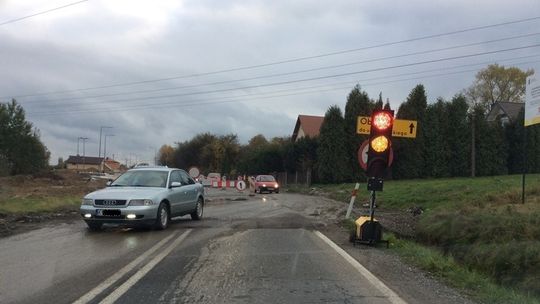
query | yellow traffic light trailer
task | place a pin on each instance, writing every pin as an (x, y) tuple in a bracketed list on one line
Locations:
[(368, 232)]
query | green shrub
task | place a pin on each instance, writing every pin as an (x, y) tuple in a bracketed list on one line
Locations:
[(503, 245)]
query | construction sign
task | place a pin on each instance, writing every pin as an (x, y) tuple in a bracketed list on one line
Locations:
[(401, 128)]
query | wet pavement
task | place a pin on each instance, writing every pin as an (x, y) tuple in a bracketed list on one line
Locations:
[(264, 249)]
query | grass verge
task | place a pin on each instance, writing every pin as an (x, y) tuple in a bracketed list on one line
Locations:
[(479, 222), (35, 205), (439, 193), (477, 285)]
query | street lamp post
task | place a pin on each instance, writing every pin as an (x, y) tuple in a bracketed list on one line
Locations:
[(154, 149), (84, 139), (84, 142), (105, 145), (100, 133)]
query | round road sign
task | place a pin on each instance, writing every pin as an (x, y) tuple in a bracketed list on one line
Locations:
[(363, 155), (240, 185), (194, 172)]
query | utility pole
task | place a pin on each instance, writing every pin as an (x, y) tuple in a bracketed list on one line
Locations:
[(84, 139), (105, 146), (100, 133), (155, 155)]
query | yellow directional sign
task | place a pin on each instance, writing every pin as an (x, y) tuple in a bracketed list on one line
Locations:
[(363, 125), (402, 128)]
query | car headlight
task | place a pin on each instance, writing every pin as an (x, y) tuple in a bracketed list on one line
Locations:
[(140, 202), (87, 201), (264, 185), (277, 185)]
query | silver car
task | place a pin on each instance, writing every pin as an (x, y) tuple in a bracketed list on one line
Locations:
[(147, 196)]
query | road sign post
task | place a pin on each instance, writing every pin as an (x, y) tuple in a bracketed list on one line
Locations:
[(532, 117), (194, 172), (240, 186), (375, 155)]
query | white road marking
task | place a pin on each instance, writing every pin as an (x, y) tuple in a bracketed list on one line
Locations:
[(89, 296), (118, 292), (385, 290)]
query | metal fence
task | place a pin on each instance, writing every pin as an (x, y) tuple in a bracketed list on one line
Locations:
[(295, 178)]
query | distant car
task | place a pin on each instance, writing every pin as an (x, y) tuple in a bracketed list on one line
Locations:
[(266, 183), (147, 196)]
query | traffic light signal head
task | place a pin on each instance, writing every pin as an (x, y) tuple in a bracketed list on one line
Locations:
[(380, 142), (382, 120)]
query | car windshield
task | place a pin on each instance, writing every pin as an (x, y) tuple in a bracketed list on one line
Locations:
[(142, 178), (266, 178)]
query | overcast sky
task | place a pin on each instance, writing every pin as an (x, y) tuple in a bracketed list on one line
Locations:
[(89, 50)]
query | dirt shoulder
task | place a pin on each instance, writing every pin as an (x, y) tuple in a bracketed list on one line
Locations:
[(11, 224), (29, 202)]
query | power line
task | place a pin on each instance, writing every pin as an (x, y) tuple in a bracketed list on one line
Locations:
[(329, 76), (288, 73), (43, 12), (175, 104), (284, 61), (342, 82), (221, 100)]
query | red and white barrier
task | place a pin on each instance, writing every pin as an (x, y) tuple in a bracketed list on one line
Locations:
[(353, 198), (224, 184)]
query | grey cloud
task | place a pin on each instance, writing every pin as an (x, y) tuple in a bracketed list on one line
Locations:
[(101, 47)]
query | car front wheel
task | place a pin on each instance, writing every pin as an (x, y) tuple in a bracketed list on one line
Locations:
[(198, 213), (162, 219)]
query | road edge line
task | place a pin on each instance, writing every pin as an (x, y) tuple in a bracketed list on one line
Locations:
[(89, 296), (122, 289), (385, 290)]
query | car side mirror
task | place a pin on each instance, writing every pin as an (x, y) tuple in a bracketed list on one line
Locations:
[(109, 182), (176, 184)]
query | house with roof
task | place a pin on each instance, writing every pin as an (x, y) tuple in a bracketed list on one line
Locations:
[(307, 125), (505, 111), (112, 165), (84, 163), (92, 163)]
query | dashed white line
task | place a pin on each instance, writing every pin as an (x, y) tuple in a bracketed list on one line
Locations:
[(89, 296), (118, 292), (385, 290)]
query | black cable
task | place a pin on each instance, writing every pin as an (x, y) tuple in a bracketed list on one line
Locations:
[(331, 76), (42, 13), (221, 101), (285, 74), (26, 103), (283, 61)]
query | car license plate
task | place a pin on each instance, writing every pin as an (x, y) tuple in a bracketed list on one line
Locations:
[(108, 212)]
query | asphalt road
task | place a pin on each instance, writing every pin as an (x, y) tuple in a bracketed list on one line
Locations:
[(266, 249)]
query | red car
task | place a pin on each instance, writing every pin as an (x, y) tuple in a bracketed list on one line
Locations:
[(266, 183)]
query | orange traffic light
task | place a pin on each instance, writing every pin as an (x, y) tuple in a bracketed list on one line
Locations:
[(380, 142)]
